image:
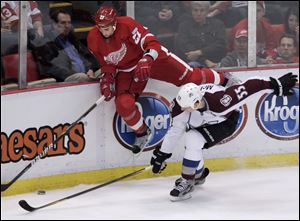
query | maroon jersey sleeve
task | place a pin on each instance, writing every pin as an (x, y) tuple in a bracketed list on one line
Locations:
[(229, 99)]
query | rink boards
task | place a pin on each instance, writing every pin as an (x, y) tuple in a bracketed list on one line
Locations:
[(96, 150)]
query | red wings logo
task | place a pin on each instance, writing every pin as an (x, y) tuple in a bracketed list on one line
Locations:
[(116, 56)]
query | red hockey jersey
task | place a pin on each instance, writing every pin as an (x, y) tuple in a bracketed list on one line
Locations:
[(125, 47)]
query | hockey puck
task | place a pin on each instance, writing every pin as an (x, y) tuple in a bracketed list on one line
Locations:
[(136, 150), (41, 192)]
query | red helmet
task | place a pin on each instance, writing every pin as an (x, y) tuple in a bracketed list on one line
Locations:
[(105, 16)]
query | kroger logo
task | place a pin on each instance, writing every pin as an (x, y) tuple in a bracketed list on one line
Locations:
[(156, 113), (240, 125), (278, 117)]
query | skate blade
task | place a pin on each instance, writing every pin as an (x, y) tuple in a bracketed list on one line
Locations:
[(199, 183), (180, 198)]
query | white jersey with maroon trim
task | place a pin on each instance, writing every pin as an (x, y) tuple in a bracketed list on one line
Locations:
[(219, 103)]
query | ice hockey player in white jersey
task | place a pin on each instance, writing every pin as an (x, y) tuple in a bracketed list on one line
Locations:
[(207, 114)]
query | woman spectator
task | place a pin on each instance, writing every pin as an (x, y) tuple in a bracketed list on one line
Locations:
[(290, 25)]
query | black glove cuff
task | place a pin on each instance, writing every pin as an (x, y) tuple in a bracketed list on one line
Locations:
[(277, 86), (157, 160)]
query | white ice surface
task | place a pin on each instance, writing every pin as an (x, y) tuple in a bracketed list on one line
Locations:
[(241, 194)]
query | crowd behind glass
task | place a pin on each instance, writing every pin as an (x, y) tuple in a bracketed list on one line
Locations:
[(202, 33)]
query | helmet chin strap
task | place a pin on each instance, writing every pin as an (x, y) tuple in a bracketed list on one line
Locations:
[(200, 105), (114, 26)]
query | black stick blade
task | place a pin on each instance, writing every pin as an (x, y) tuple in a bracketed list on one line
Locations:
[(26, 206), (4, 187)]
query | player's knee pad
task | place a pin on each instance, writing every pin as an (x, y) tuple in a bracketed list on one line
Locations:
[(194, 140), (193, 153), (125, 104)]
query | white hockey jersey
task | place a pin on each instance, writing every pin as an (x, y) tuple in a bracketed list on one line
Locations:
[(219, 104)]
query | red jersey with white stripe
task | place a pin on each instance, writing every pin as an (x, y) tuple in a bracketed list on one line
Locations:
[(125, 47)]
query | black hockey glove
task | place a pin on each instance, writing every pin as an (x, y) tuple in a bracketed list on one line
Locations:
[(283, 85), (158, 161)]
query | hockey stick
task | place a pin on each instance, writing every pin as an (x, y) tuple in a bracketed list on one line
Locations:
[(29, 208), (135, 156), (45, 151)]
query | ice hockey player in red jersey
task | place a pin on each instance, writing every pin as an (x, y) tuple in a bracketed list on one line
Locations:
[(207, 114), (129, 55)]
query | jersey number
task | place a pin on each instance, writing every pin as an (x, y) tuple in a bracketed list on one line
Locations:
[(136, 35), (5, 13), (241, 92)]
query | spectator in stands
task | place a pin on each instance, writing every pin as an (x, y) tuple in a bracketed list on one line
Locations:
[(62, 56), (200, 38), (291, 22), (275, 10), (83, 11), (185, 10), (239, 56), (120, 6), (159, 16), (230, 12), (287, 50), (10, 17), (10, 27), (266, 41)]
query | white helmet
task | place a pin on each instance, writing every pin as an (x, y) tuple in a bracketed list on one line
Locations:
[(188, 95)]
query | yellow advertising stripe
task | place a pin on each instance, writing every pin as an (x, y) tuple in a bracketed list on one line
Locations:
[(84, 29), (60, 5), (101, 176)]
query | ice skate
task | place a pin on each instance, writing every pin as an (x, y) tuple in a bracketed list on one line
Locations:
[(182, 191), (198, 180), (141, 141)]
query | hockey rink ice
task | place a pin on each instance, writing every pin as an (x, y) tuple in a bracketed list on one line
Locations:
[(269, 193)]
